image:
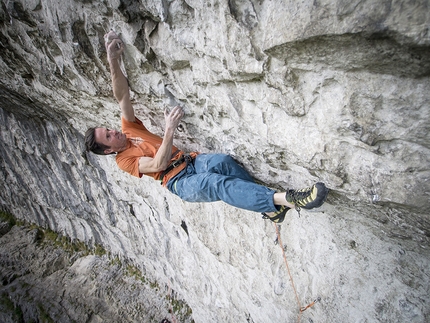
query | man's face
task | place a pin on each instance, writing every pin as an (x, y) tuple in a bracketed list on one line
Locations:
[(116, 140)]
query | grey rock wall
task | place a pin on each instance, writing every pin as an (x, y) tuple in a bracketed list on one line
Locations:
[(64, 282), (336, 91)]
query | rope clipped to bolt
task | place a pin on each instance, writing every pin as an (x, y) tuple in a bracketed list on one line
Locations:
[(301, 308)]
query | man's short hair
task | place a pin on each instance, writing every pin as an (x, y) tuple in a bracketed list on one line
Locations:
[(92, 145)]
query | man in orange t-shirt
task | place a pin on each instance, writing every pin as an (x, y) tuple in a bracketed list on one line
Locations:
[(193, 177)]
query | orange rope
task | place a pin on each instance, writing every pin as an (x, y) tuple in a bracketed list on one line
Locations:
[(301, 309)]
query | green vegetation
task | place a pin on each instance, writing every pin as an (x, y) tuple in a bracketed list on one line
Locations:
[(133, 271), (43, 315), (179, 307), (6, 217), (115, 261), (7, 306), (48, 237), (99, 250), (69, 245)]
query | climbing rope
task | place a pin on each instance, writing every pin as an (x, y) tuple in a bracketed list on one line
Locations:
[(301, 309)]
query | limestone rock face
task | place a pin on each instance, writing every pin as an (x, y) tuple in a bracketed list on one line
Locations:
[(74, 286), (298, 92)]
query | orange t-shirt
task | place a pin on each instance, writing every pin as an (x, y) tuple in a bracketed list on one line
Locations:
[(141, 143)]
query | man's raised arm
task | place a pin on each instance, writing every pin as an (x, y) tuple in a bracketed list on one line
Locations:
[(114, 48)]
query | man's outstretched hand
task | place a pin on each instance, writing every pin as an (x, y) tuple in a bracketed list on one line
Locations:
[(114, 45), (173, 118)]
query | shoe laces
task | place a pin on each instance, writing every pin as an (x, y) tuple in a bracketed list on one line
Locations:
[(298, 195)]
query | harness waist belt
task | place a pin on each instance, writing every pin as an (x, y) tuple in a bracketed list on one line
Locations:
[(176, 163)]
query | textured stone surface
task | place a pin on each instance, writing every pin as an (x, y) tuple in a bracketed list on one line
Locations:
[(336, 91), (45, 280)]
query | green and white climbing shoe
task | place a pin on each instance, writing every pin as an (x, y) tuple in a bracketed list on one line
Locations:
[(277, 216), (308, 198)]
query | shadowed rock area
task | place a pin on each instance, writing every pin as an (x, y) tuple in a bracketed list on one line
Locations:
[(332, 91)]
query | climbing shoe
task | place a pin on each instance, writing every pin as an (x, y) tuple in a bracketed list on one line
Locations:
[(278, 216), (308, 198)]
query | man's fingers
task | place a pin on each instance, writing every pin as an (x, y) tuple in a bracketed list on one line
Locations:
[(109, 36), (115, 48), (113, 42), (179, 112), (178, 109), (116, 43), (176, 113)]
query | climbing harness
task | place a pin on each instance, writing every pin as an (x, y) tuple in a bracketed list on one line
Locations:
[(173, 164), (172, 170), (304, 308)]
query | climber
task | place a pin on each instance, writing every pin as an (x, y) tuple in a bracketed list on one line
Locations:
[(193, 177)]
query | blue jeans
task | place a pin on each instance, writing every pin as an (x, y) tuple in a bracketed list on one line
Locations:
[(217, 177)]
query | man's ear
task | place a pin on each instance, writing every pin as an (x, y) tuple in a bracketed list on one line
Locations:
[(108, 151)]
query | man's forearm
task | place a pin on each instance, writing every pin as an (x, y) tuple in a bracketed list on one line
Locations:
[(119, 81), (164, 153), (115, 48), (162, 158)]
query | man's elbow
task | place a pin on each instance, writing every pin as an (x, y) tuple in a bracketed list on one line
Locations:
[(162, 167)]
